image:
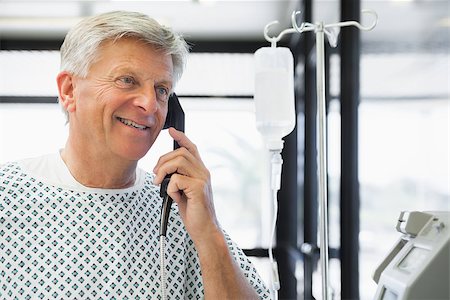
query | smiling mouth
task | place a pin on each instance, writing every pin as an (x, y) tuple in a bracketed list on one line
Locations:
[(132, 124)]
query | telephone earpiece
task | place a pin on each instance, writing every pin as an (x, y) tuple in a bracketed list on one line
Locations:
[(175, 118)]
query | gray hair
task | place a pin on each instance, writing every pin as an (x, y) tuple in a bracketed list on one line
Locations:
[(80, 46), (79, 49)]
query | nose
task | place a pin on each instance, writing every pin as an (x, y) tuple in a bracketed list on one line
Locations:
[(146, 100)]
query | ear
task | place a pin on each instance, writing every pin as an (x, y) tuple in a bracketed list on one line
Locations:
[(65, 90)]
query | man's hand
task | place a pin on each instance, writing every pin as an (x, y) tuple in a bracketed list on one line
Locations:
[(189, 187)]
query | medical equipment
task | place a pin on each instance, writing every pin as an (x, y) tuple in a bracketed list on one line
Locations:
[(174, 118), (275, 118), (320, 30), (418, 265), (274, 95)]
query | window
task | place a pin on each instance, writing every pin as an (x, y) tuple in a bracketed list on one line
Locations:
[(403, 153), (404, 145), (219, 119)]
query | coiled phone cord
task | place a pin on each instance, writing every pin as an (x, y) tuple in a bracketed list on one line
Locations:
[(165, 211), (162, 251)]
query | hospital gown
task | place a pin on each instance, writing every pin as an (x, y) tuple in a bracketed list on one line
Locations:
[(67, 241)]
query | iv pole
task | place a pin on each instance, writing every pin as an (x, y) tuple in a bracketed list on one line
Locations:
[(321, 30)]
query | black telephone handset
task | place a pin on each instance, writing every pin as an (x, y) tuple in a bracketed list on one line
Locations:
[(175, 118)]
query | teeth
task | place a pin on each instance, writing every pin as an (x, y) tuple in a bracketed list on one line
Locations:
[(131, 123)]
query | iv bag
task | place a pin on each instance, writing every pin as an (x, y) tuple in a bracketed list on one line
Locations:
[(274, 94)]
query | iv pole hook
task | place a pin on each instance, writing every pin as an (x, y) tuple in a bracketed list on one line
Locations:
[(305, 26), (273, 40), (357, 24)]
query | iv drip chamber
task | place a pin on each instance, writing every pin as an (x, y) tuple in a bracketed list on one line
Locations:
[(274, 94)]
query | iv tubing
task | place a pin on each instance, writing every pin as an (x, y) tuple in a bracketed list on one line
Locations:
[(276, 164), (322, 161)]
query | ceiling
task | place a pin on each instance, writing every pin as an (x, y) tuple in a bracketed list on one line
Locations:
[(416, 23), (211, 20)]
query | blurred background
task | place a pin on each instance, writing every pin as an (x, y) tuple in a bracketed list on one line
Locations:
[(388, 107)]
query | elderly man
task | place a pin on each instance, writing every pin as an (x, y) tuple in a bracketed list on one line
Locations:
[(83, 222)]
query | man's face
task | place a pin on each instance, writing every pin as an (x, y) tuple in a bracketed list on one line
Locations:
[(121, 105)]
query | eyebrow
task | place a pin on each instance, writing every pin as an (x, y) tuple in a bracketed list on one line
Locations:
[(126, 69), (169, 83)]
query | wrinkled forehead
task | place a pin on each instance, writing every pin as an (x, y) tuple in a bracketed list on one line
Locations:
[(131, 40), (137, 53)]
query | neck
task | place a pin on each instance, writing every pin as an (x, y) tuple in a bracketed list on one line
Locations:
[(98, 171)]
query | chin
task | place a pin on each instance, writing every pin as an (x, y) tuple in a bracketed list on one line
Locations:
[(135, 155), (132, 149), (132, 153)]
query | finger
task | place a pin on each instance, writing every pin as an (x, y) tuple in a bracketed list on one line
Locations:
[(194, 200), (186, 190), (184, 141), (172, 155), (181, 165), (174, 188), (180, 161)]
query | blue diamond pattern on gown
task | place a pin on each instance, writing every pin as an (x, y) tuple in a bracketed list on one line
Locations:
[(62, 244)]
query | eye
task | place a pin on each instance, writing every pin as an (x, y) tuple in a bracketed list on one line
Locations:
[(162, 93), (126, 81)]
